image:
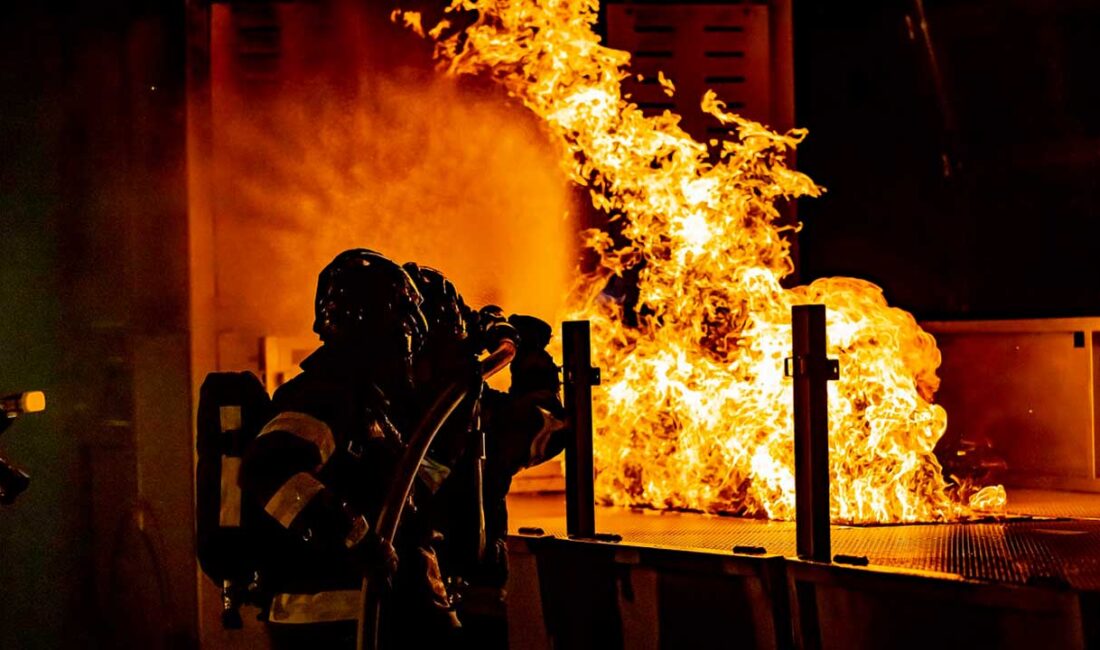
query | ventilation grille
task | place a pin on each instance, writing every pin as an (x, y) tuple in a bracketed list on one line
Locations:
[(258, 40), (725, 48)]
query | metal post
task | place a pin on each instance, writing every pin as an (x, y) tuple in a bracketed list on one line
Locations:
[(580, 376), (811, 371)]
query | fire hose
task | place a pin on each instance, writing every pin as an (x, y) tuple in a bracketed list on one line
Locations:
[(389, 518)]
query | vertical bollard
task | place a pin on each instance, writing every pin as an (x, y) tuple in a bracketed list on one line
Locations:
[(580, 376), (811, 371)]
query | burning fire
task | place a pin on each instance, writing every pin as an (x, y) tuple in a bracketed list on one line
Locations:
[(696, 412)]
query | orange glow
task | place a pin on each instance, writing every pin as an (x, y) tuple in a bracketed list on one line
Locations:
[(34, 402), (695, 411), (382, 154)]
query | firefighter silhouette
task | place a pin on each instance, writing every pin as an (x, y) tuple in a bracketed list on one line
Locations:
[(319, 467)]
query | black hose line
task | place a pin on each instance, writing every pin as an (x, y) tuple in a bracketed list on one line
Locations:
[(389, 518)]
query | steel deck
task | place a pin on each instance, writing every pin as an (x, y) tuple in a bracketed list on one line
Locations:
[(1053, 540)]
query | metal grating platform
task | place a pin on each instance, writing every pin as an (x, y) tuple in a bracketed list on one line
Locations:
[(1037, 550), (1054, 503)]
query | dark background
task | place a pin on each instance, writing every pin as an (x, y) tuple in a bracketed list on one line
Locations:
[(1012, 230), (93, 269)]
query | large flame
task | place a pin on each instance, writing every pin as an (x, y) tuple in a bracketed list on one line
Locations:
[(695, 411)]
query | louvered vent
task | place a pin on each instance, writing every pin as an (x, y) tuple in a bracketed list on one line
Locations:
[(258, 41), (698, 46)]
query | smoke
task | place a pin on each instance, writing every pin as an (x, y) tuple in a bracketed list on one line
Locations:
[(400, 160)]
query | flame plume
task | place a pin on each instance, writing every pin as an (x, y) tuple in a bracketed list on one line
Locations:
[(696, 412)]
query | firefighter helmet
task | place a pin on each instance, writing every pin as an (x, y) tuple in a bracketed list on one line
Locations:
[(443, 306), (366, 299)]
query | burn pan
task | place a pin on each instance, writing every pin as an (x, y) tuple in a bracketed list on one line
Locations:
[(1034, 545)]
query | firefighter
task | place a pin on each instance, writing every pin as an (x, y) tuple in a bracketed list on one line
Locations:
[(525, 427), (458, 335), (493, 436), (321, 466)]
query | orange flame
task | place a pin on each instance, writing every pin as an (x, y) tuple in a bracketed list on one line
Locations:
[(696, 412)]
